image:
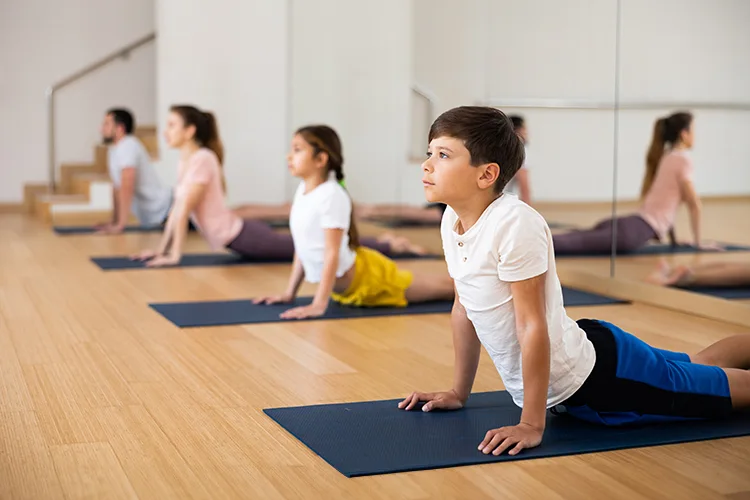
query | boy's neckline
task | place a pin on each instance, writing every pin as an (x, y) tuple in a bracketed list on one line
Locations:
[(458, 228)]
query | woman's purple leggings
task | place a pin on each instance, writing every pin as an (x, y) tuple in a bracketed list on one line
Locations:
[(259, 241), (633, 232)]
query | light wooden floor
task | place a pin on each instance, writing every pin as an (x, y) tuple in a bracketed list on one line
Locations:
[(100, 397)]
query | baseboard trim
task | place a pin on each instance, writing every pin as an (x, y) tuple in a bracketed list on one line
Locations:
[(11, 208)]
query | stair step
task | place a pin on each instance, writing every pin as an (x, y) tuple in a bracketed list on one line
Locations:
[(44, 202), (70, 170), (81, 182), (148, 136), (30, 192)]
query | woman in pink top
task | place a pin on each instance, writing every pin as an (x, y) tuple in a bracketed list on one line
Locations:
[(668, 183), (199, 197)]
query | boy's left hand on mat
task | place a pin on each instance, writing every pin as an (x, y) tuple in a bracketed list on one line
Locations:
[(522, 436), (310, 311)]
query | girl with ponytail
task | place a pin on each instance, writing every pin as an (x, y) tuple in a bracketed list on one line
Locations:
[(328, 250), (199, 198), (668, 182)]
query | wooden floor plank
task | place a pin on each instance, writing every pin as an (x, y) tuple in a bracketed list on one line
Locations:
[(102, 397)]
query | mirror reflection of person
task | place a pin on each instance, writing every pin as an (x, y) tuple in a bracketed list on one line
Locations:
[(715, 274), (668, 183)]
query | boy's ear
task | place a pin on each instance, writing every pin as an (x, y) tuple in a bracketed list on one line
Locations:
[(490, 172)]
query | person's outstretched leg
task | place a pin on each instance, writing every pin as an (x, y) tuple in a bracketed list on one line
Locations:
[(633, 382), (711, 274), (406, 212), (739, 387), (390, 245), (263, 212), (632, 233), (257, 240), (732, 355), (587, 241), (428, 287), (731, 352)]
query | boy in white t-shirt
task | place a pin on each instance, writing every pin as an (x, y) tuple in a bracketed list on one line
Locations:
[(509, 299), (137, 188)]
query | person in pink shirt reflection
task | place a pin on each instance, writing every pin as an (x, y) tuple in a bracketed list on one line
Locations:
[(667, 184), (199, 197)]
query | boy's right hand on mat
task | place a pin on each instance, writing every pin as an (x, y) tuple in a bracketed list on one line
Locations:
[(276, 299), (144, 255), (448, 400)]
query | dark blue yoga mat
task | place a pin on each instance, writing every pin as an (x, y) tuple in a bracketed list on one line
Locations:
[(733, 293), (361, 439), (659, 250), (213, 260), (402, 223), (279, 223), (243, 312), (70, 230)]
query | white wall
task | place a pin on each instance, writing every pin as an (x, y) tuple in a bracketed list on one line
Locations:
[(43, 41), (671, 50), (229, 57), (449, 47), (559, 50), (688, 50), (352, 70)]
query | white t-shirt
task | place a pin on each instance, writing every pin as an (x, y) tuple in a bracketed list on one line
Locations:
[(512, 186), (512, 242), (151, 199), (328, 206)]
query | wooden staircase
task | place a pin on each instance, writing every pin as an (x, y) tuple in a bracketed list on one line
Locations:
[(74, 186)]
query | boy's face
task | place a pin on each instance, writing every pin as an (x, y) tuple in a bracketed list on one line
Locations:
[(449, 176)]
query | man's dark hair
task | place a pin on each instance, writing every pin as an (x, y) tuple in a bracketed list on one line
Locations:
[(123, 117), (489, 136), (517, 120)]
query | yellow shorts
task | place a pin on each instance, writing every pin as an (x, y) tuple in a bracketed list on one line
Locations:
[(377, 282)]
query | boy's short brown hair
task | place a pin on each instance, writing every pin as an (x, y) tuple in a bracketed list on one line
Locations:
[(489, 136)]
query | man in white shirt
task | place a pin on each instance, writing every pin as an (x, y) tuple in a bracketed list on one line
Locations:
[(137, 188)]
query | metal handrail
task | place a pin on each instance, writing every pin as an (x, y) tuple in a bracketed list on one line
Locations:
[(429, 112), (122, 53), (610, 105), (428, 97)]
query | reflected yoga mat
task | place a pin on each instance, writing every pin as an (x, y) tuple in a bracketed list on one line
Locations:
[(661, 250), (375, 437), (732, 293), (213, 260), (243, 312)]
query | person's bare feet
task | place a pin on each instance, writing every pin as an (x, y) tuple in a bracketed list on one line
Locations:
[(664, 275), (401, 244)]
